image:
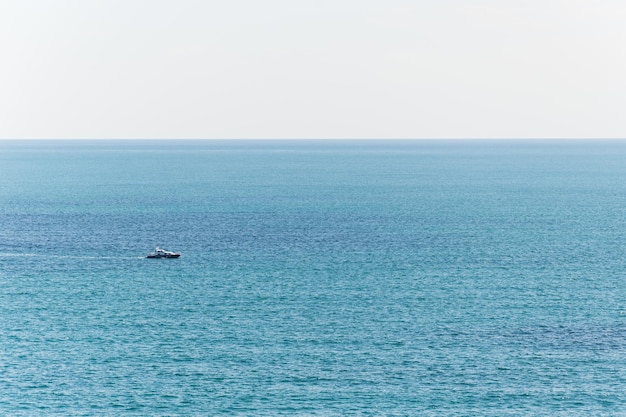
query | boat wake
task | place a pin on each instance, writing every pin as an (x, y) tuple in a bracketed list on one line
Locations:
[(47, 255)]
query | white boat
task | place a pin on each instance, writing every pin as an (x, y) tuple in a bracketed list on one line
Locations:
[(162, 253)]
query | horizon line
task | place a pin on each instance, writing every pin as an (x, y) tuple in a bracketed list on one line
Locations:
[(317, 139)]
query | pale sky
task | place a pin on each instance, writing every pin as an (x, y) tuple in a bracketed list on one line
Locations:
[(312, 69)]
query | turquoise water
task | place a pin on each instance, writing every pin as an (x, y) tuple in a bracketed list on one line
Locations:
[(317, 278)]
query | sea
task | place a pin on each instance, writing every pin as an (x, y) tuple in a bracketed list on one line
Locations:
[(317, 278)]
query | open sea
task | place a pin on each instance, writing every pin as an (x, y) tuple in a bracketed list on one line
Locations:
[(317, 278)]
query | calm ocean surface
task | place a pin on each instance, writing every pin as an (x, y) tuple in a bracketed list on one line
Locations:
[(451, 278)]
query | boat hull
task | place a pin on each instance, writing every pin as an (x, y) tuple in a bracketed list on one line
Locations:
[(175, 255)]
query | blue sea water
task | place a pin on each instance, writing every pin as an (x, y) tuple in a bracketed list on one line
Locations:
[(394, 278)]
